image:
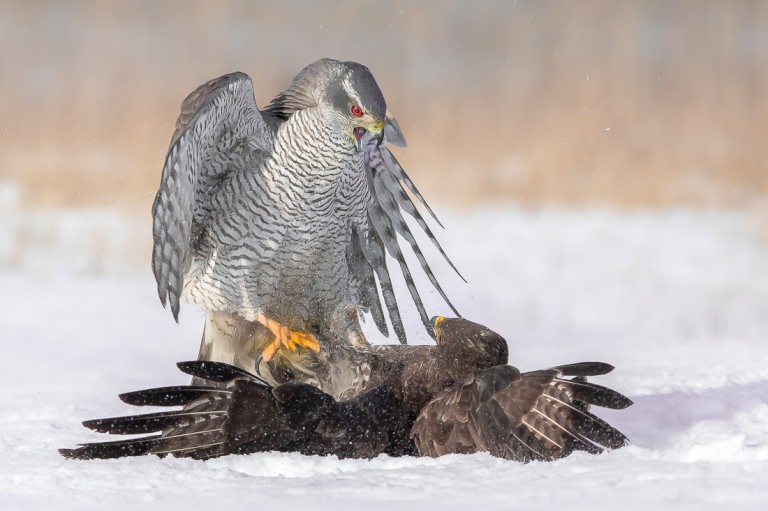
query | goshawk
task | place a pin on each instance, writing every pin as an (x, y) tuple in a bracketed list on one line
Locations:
[(277, 217)]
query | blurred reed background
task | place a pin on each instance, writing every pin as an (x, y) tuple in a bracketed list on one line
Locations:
[(625, 104)]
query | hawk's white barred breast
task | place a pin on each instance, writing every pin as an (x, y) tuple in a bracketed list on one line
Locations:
[(283, 218)]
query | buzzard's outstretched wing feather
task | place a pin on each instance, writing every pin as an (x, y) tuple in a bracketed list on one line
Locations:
[(197, 430), (238, 414), (539, 415), (218, 123)]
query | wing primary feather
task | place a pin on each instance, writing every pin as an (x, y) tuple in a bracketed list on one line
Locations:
[(145, 423), (541, 433), (383, 228), (389, 207), (406, 204), (594, 428), (594, 394), (373, 251), (394, 166), (197, 162), (113, 449), (169, 396), (180, 450), (364, 278), (586, 444), (535, 453), (217, 371), (585, 369)]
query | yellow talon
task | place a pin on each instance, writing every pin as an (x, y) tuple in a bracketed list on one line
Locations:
[(284, 336)]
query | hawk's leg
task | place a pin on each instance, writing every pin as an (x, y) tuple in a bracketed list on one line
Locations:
[(285, 337), (345, 325)]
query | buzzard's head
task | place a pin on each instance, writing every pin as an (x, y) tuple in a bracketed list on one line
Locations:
[(469, 343)]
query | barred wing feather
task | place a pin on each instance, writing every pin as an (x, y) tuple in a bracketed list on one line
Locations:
[(218, 122), (539, 415), (386, 202)]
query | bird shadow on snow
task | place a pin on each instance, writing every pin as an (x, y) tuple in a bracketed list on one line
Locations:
[(654, 421)]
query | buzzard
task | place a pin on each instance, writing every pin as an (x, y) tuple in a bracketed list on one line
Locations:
[(458, 396)]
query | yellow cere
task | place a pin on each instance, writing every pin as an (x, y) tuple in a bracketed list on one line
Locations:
[(437, 321)]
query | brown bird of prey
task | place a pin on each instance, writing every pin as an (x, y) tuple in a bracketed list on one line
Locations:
[(270, 219), (456, 397)]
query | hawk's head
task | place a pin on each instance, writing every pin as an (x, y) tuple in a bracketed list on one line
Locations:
[(357, 97), (347, 87)]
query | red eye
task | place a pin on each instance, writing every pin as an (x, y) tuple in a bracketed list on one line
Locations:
[(357, 111)]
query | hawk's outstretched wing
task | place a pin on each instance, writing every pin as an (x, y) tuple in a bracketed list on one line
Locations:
[(539, 415), (218, 125), (386, 202)]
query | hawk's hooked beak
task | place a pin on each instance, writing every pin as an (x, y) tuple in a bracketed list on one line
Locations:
[(357, 134), (375, 128)]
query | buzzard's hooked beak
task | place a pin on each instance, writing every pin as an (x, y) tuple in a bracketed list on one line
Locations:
[(436, 320)]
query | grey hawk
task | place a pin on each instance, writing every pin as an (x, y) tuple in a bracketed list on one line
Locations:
[(277, 217)]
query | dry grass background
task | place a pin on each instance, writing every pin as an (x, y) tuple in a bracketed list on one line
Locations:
[(619, 103)]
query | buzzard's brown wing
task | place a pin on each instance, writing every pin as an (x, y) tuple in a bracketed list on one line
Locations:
[(540, 415), (198, 430), (235, 412)]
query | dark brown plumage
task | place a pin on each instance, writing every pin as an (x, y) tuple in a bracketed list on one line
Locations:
[(540, 415), (246, 415), (458, 396)]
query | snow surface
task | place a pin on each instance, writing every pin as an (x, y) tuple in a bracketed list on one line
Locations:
[(677, 301)]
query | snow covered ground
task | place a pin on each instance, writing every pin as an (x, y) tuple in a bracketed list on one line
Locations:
[(677, 301)]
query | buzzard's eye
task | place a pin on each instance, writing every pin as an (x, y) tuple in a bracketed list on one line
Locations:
[(357, 111)]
